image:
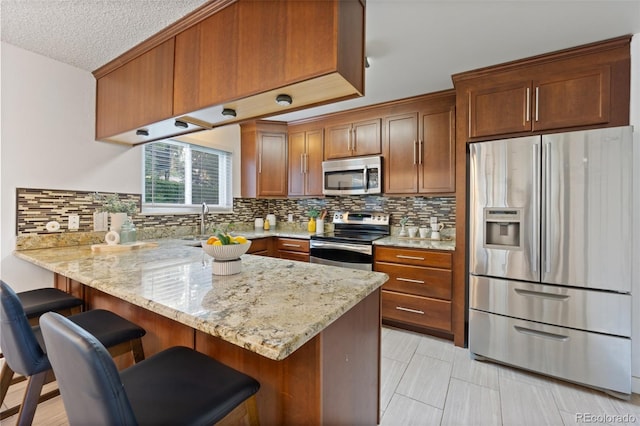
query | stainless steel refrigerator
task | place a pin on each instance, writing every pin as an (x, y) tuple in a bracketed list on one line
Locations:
[(550, 255)]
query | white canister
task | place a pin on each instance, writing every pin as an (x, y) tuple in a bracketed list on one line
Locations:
[(319, 226), (272, 220), (259, 223)]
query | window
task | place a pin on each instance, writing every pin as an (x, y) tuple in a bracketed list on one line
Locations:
[(179, 177)]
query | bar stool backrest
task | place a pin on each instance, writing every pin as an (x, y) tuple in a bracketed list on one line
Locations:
[(87, 376), (19, 344)]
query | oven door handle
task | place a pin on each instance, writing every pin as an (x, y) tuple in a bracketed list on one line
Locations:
[(359, 248)]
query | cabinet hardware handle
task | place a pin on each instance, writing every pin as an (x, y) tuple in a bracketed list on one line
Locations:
[(260, 162), (528, 106), (301, 163), (355, 140), (306, 163), (401, 256), (543, 334), (469, 118), (409, 280), (420, 151), (537, 101), (413, 311), (291, 245), (414, 151), (552, 296)]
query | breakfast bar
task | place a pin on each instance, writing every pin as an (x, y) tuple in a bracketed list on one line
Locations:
[(310, 334)]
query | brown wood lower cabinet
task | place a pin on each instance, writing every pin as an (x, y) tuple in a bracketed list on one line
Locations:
[(418, 292), (293, 249), (260, 247)]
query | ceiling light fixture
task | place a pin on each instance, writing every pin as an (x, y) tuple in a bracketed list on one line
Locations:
[(284, 100), (228, 112)]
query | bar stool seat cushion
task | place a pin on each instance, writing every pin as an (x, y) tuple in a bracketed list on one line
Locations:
[(211, 388), (37, 302)]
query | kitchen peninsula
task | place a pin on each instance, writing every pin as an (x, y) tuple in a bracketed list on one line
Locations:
[(310, 334)]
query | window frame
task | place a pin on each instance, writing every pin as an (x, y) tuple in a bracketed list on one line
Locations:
[(176, 209)]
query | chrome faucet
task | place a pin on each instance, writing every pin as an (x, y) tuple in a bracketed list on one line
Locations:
[(203, 212)]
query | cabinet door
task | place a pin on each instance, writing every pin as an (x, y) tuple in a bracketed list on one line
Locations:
[(400, 162), (500, 109), (262, 41), (138, 93), (313, 166), (436, 159), (297, 154), (205, 53), (272, 164), (366, 138), (338, 142), (574, 98)]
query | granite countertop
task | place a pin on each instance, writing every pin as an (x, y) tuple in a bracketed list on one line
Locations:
[(272, 307), (419, 243)]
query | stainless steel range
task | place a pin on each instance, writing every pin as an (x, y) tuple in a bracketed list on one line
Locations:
[(350, 245)]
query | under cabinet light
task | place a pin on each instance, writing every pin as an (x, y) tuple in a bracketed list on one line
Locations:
[(142, 132), (284, 100), (229, 113), (180, 123)]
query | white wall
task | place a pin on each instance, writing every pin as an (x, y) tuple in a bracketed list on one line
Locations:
[(635, 289)]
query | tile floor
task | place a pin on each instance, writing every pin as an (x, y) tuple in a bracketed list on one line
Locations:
[(428, 381)]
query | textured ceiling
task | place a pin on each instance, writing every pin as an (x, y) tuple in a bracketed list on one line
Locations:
[(414, 46), (87, 33)]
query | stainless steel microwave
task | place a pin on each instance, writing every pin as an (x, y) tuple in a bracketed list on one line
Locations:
[(353, 176)]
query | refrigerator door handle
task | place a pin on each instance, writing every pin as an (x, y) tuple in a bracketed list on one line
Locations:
[(547, 210), (543, 334), (535, 167)]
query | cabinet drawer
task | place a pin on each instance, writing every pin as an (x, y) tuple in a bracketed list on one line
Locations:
[(579, 356), (259, 246), (416, 280), (563, 306), (407, 256), (293, 244), (293, 255), (416, 310)]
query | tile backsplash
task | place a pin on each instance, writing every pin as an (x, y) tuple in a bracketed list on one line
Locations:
[(36, 207)]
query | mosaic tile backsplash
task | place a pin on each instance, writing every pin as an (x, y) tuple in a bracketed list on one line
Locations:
[(36, 207)]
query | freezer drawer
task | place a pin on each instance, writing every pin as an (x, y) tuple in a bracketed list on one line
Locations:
[(556, 305), (583, 357)]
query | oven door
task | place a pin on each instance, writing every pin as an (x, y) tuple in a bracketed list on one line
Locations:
[(346, 255)]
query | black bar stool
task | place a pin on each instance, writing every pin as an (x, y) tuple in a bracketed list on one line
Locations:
[(35, 303), (175, 386), (23, 347)]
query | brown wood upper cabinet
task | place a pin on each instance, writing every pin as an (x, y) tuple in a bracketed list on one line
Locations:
[(352, 139), (566, 99), (236, 54), (419, 148), (305, 162), (263, 159), (136, 94), (578, 88)]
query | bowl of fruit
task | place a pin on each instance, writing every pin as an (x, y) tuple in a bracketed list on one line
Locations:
[(225, 247)]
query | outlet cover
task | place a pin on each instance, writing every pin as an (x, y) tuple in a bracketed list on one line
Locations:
[(74, 222)]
